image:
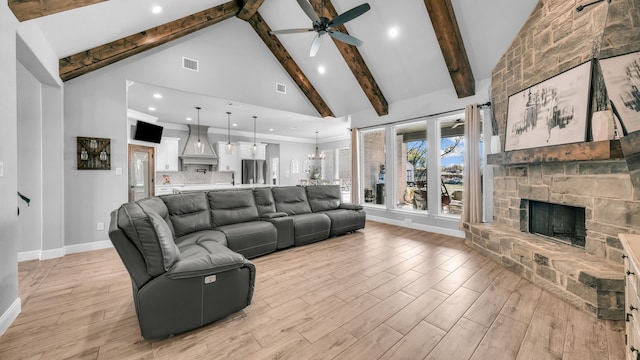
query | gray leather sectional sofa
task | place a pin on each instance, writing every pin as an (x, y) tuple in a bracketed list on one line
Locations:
[(187, 253)]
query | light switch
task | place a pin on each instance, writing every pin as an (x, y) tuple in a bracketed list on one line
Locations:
[(118, 171), (1, 168), (100, 226)]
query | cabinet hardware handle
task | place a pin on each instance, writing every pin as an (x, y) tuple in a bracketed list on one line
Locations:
[(631, 307), (628, 316), (633, 349), (624, 256), (629, 272)]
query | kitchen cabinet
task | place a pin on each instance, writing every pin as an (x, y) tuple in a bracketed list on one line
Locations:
[(167, 154), (228, 162), (631, 257), (245, 151)]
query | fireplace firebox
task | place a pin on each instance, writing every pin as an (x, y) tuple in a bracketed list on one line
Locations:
[(559, 222)]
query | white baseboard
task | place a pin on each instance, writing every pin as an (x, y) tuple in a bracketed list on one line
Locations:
[(412, 225), (51, 254), (60, 252), (96, 245), (29, 255), (10, 315)]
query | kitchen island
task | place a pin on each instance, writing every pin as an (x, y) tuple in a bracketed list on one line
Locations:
[(206, 187)]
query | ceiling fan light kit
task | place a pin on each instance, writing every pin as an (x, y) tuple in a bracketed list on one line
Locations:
[(324, 26)]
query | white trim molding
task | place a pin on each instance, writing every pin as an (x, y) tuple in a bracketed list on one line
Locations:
[(10, 315), (413, 225), (60, 252)]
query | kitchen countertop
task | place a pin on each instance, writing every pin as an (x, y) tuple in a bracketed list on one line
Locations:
[(205, 187)]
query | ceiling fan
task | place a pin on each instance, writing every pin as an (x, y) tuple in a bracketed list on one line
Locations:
[(323, 26)]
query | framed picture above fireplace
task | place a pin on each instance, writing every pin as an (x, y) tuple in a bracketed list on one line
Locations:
[(552, 112), (622, 79)]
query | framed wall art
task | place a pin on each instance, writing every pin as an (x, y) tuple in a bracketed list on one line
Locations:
[(622, 78), (94, 153), (552, 112)]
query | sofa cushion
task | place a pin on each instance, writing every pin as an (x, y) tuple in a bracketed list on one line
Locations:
[(323, 197), (310, 228), (232, 207), (158, 206), (251, 239), (264, 201), (201, 261), (151, 235), (291, 200), (188, 212), (200, 238), (343, 220)]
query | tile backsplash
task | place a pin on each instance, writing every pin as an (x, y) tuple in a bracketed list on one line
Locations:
[(193, 177)]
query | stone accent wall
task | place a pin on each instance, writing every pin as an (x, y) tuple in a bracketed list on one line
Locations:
[(603, 188), (556, 38)]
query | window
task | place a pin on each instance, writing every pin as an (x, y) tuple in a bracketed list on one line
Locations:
[(411, 159), (451, 165), (373, 166)]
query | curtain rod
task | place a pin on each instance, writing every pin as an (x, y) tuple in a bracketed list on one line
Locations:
[(480, 106)]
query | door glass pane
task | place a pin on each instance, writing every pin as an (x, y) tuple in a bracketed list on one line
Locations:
[(140, 175), (411, 166), (374, 167)]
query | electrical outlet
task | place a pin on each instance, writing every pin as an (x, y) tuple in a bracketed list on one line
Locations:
[(1, 168), (118, 171), (100, 226)]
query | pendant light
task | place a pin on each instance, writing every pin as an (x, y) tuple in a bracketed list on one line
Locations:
[(254, 149), (229, 147), (198, 145), (317, 155)]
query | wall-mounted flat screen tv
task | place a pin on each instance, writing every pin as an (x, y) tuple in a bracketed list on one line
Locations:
[(148, 132)]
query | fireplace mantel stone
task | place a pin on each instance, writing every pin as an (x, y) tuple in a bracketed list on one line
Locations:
[(587, 151)]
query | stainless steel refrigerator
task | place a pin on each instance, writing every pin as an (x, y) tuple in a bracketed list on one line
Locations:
[(254, 171)]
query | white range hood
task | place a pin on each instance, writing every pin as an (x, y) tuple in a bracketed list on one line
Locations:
[(190, 156)]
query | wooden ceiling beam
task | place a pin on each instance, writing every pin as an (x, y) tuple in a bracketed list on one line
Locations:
[(103, 55), (31, 9), (446, 28), (249, 8), (354, 60), (289, 65)]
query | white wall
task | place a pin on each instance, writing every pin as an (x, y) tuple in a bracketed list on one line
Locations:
[(29, 161), (9, 301)]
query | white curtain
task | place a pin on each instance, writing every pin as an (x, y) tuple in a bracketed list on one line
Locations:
[(355, 165), (472, 193)]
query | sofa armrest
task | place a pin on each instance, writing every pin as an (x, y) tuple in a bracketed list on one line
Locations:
[(274, 215), (349, 206), (210, 264)]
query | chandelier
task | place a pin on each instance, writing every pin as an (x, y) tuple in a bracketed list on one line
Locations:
[(317, 155), (198, 145), (229, 146)]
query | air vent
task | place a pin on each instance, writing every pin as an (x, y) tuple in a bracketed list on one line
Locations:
[(281, 88), (189, 64)]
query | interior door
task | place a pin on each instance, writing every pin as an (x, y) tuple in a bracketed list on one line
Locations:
[(141, 172)]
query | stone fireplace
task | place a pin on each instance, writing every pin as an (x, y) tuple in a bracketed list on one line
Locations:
[(597, 183)]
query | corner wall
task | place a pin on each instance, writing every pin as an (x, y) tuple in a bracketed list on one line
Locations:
[(9, 300)]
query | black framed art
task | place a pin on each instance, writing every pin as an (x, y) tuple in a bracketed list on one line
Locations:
[(622, 78), (552, 112)]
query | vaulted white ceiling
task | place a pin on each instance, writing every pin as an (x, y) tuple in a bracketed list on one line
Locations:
[(404, 67)]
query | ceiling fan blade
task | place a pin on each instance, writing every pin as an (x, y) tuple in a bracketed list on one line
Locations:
[(315, 45), (289, 31), (345, 38), (308, 9), (348, 15)]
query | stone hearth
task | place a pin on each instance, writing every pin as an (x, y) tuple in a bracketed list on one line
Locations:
[(588, 282)]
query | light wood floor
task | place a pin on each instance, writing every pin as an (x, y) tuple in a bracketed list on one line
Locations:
[(384, 292)]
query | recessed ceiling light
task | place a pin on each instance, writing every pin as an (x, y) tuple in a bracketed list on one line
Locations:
[(270, 129), (321, 69), (156, 9), (151, 108), (393, 32), (234, 125), (157, 96), (189, 119)]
